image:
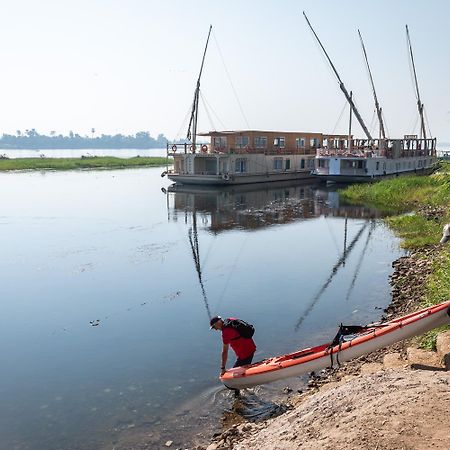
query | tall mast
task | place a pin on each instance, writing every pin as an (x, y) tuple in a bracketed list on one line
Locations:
[(192, 129), (341, 84), (377, 105), (419, 102)]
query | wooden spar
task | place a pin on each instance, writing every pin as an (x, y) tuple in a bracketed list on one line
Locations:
[(341, 84), (350, 126), (377, 105), (419, 102), (192, 128)]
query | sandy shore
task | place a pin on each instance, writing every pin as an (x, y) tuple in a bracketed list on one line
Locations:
[(395, 398)]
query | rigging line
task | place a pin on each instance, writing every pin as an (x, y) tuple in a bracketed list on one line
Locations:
[(428, 123), (207, 111), (183, 125), (385, 124), (193, 240), (373, 122), (340, 117), (334, 271), (214, 112), (233, 267), (229, 79), (332, 236), (359, 263)]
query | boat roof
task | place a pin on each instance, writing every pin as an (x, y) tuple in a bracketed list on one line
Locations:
[(237, 132)]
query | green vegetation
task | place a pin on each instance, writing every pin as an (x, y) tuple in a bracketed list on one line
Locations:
[(103, 162), (409, 193), (427, 198)]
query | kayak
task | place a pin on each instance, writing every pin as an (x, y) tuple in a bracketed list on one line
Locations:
[(369, 338)]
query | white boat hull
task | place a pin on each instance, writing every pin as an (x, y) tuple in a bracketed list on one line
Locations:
[(241, 377)]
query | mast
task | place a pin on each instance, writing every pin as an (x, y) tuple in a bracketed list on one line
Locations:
[(192, 129), (341, 84), (419, 102), (377, 105)]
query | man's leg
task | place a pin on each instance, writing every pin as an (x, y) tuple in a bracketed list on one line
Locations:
[(239, 363)]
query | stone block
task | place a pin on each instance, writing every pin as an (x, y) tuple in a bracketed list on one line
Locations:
[(394, 361), (418, 358), (369, 368), (443, 343)]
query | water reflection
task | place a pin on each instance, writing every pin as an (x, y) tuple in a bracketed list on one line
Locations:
[(108, 285), (251, 207)]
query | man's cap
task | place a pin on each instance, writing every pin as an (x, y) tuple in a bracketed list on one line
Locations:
[(213, 321), (446, 234)]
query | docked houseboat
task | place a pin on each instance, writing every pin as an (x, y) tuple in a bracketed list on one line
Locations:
[(349, 159), (242, 157)]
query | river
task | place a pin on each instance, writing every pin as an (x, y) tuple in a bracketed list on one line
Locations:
[(104, 332)]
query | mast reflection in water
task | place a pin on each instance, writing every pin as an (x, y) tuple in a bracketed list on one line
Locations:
[(256, 206)]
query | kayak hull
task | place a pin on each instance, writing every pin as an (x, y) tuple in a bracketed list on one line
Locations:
[(323, 356)]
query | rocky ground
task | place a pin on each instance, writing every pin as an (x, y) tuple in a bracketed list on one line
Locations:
[(395, 398)]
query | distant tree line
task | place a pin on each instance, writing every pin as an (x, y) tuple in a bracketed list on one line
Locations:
[(31, 139)]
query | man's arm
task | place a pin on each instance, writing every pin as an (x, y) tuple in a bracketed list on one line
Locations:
[(224, 358)]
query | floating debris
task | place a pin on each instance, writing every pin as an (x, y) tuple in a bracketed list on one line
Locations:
[(95, 323), (173, 295)]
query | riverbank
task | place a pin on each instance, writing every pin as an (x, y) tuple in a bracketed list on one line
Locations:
[(96, 162), (384, 400)]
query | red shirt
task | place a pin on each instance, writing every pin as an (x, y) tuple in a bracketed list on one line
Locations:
[(242, 347)]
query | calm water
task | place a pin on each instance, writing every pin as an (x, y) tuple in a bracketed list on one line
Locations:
[(104, 334)]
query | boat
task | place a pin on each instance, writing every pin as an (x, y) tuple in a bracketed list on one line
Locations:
[(351, 159), (247, 156), (242, 156), (365, 340)]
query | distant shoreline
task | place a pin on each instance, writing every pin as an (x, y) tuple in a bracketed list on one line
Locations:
[(95, 162)]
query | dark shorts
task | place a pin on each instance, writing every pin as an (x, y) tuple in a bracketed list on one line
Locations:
[(244, 362)]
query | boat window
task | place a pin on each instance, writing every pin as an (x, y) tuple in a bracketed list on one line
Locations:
[(378, 165), (260, 142), (220, 143), (279, 142), (302, 164), (314, 143), (278, 163), (241, 141), (300, 142), (241, 165)]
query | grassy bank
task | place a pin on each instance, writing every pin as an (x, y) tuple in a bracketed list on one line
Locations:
[(100, 162), (427, 198), (419, 207)]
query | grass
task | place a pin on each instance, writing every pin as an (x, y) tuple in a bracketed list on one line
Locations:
[(100, 162), (410, 194)]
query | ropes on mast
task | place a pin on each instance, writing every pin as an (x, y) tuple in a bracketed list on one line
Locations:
[(230, 81), (341, 84), (420, 105), (377, 105)]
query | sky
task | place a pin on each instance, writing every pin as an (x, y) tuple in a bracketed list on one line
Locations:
[(122, 66)]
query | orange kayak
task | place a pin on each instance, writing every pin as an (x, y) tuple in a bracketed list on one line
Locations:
[(370, 338)]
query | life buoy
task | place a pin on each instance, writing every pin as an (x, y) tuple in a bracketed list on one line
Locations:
[(192, 147), (204, 148), (225, 177), (174, 148)]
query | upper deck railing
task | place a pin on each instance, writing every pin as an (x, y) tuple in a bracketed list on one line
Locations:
[(389, 148)]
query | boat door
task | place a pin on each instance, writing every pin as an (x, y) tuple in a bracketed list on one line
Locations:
[(335, 166)]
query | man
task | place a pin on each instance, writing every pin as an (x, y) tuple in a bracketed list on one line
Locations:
[(445, 233), (243, 347)]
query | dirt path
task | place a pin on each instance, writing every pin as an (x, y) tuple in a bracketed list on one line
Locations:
[(390, 409), (395, 398)]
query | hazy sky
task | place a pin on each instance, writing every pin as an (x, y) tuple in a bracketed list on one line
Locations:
[(130, 65)]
